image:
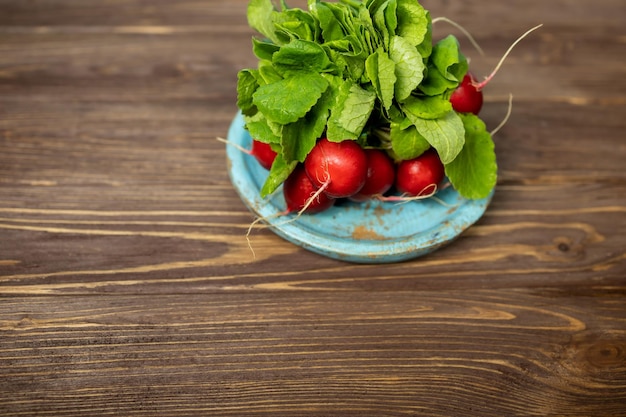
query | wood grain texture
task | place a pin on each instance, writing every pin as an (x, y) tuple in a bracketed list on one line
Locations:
[(127, 286)]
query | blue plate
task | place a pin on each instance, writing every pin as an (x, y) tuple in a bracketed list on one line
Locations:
[(371, 232)]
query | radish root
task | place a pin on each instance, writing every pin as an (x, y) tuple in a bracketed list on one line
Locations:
[(286, 212), (241, 148), (463, 30), (482, 84), (254, 223), (506, 117), (315, 195), (427, 192)]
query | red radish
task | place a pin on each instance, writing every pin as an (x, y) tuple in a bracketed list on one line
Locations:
[(339, 169), (263, 153), (301, 197), (300, 193), (381, 173), (468, 97), (421, 175)]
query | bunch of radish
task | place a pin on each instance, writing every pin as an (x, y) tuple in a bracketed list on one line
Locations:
[(335, 170), (354, 100)]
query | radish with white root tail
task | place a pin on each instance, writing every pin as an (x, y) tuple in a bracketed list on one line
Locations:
[(263, 153), (302, 196), (420, 176), (468, 97)]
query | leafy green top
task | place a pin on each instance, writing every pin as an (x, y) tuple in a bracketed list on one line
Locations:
[(362, 70)]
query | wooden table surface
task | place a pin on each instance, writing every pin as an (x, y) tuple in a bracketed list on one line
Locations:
[(127, 286)]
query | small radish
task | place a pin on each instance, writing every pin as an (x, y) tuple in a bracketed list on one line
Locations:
[(381, 173), (301, 195), (421, 175), (468, 97), (339, 169), (263, 153)]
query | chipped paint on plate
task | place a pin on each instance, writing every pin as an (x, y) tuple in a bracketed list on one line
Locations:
[(370, 232)]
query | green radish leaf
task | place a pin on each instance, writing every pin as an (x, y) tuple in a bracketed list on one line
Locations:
[(367, 27), (261, 14), (300, 55), (407, 142), (268, 73), (353, 54), (449, 60), (426, 47), (381, 71), (263, 49), (383, 14), (446, 68), (261, 129), (295, 24), (474, 172), (446, 134), (279, 172), (247, 84), (350, 112), (289, 31), (426, 107), (412, 21), (331, 26), (299, 138), (335, 50), (344, 35), (289, 99), (435, 84), (409, 68)]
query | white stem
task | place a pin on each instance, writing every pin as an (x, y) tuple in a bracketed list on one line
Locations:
[(462, 29)]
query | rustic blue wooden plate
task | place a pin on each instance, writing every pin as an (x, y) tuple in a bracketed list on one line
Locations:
[(371, 232)]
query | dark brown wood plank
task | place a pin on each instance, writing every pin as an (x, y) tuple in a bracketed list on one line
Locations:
[(291, 354), (127, 286), (526, 246)]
